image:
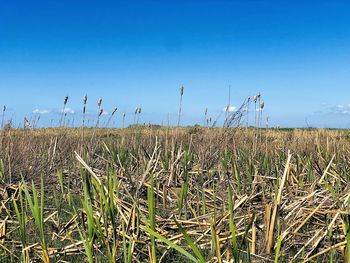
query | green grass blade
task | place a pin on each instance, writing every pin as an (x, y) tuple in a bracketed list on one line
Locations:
[(170, 243), (235, 250), (190, 243)]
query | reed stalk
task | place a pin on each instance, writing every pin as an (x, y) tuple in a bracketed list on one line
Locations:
[(180, 106)]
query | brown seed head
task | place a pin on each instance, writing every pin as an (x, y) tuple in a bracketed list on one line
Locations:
[(114, 110), (182, 90), (262, 104), (99, 102)]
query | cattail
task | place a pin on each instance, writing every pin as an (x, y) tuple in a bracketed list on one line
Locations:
[(138, 115), (99, 102), (205, 115), (248, 108), (135, 113), (84, 111), (111, 116), (124, 120), (84, 101), (262, 105), (182, 90), (27, 125), (100, 112), (209, 120), (255, 98), (180, 107), (114, 110), (63, 115), (3, 116)]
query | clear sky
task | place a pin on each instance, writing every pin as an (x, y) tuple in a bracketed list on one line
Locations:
[(138, 53)]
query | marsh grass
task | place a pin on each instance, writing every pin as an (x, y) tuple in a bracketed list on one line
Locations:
[(174, 195)]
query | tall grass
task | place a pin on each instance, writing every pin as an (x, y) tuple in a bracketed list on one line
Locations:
[(174, 195), (37, 209)]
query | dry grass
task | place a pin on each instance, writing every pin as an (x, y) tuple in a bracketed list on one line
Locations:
[(143, 194)]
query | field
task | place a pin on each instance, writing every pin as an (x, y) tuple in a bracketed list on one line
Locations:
[(158, 194)]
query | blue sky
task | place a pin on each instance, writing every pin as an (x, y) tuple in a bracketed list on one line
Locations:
[(138, 53)]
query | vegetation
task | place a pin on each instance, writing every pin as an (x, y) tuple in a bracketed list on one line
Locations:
[(153, 194)]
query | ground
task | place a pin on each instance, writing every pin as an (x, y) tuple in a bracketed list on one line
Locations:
[(167, 194)]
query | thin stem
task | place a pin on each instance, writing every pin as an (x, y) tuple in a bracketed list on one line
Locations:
[(180, 107)]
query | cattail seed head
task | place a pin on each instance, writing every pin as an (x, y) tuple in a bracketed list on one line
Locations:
[(114, 110), (255, 98), (182, 90), (262, 104), (100, 112), (84, 100), (99, 102), (4, 109), (65, 100), (136, 110), (139, 112)]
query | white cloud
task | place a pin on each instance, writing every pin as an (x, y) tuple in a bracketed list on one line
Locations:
[(341, 109), (230, 109), (38, 111), (67, 111), (105, 113)]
